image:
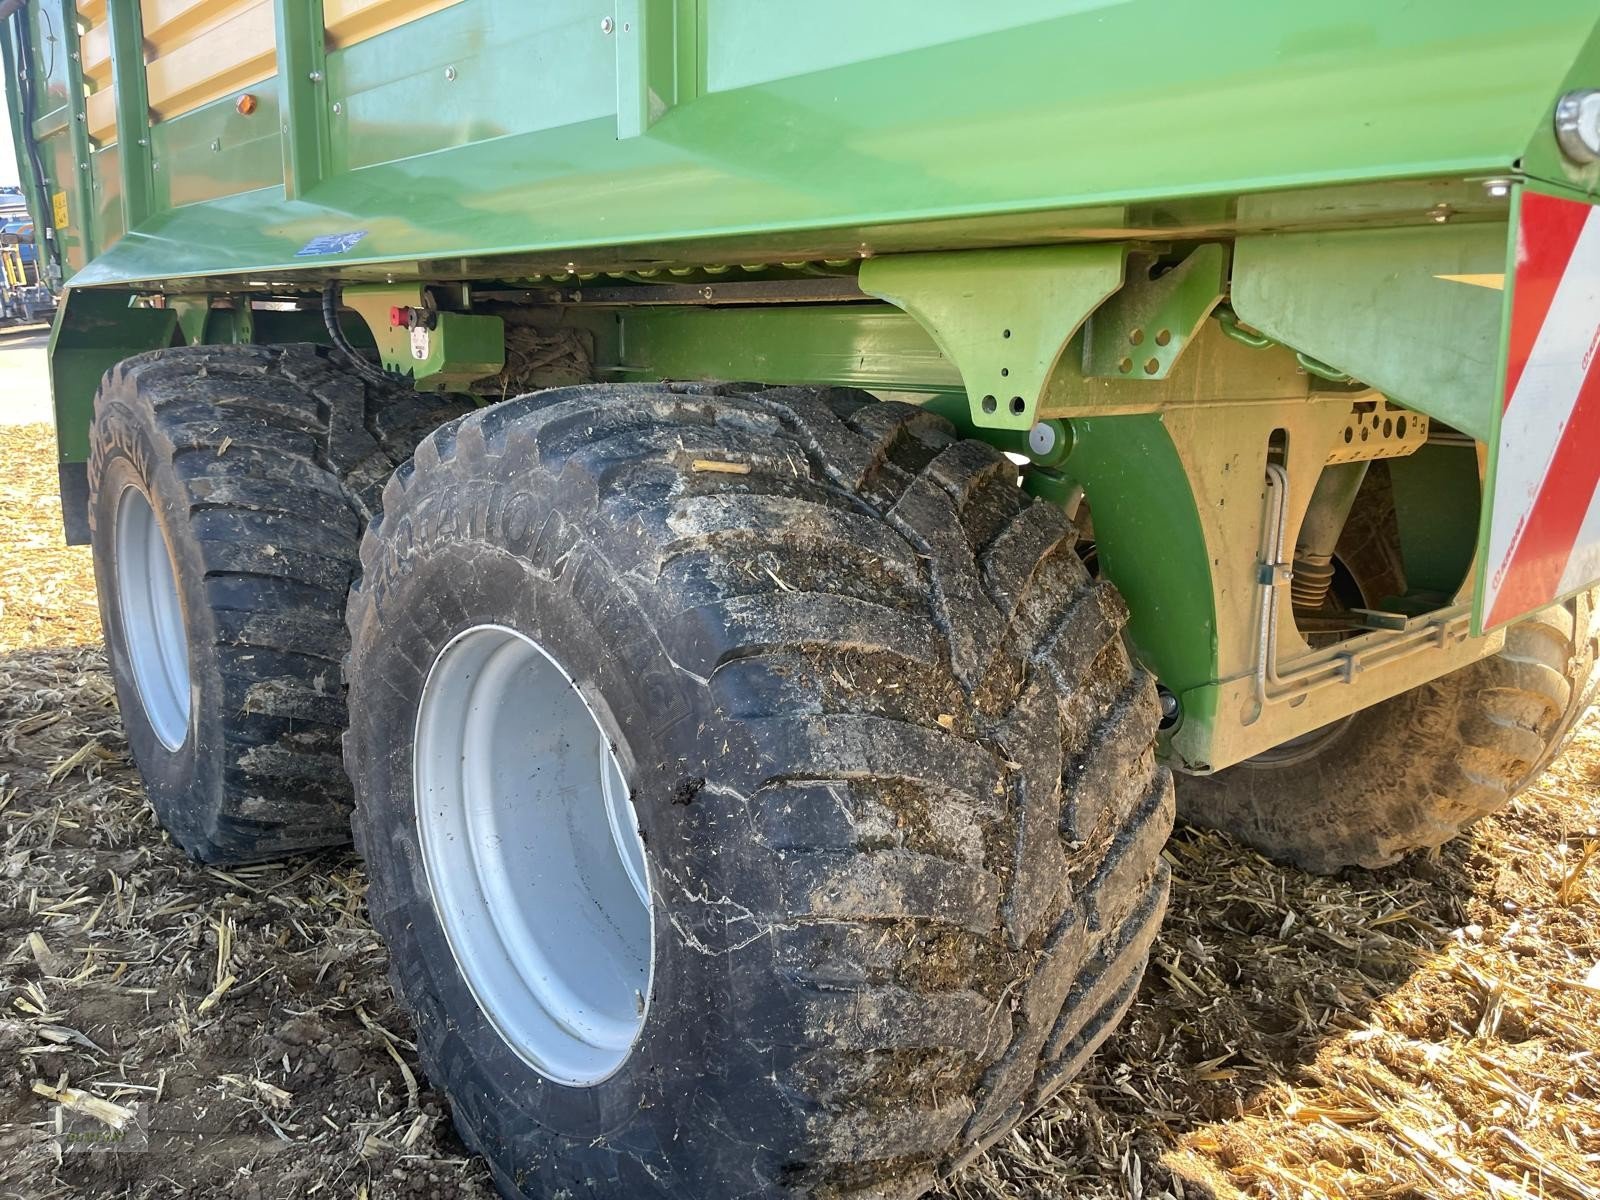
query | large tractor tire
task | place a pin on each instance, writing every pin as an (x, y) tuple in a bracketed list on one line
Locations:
[(1416, 770), (229, 488), (756, 794)]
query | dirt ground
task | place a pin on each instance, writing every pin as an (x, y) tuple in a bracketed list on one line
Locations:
[(169, 1030)]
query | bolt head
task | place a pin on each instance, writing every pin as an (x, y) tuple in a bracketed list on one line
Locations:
[(1170, 708), (1497, 189), (607, 25), (1578, 125), (450, 74)]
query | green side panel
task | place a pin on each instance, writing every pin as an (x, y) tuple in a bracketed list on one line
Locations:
[(236, 153), (492, 128), (1151, 545), (94, 331), (441, 82), (1439, 288), (108, 209)]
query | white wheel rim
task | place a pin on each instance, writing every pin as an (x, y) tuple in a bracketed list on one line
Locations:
[(533, 855), (152, 619)]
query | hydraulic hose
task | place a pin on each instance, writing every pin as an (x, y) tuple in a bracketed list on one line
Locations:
[(330, 318), (44, 228)]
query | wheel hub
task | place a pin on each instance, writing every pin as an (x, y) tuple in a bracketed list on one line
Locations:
[(152, 619), (533, 854)]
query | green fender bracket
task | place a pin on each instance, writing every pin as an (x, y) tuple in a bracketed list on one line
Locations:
[(1152, 546), (440, 351), (1004, 317), (94, 331), (1140, 332)]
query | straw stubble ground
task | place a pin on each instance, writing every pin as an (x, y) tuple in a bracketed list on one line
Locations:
[(1429, 1030)]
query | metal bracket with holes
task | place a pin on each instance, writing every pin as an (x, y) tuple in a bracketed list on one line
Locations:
[(1140, 332), (1379, 429), (1004, 317)]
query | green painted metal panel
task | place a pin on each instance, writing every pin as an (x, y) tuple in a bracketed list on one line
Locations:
[(871, 346), (1004, 317), (651, 78), (109, 212), (491, 128), (239, 153), (481, 70), (94, 331), (1437, 290), (1152, 546)]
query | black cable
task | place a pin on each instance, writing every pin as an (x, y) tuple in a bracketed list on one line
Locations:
[(44, 224), (330, 318)]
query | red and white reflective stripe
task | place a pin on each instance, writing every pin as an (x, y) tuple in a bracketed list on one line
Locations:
[(1544, 527)]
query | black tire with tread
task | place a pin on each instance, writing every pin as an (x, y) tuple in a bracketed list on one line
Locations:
[(263, 465), (1416, 770), (892, 763)]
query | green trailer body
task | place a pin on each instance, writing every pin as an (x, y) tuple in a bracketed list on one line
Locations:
[(929, 200), (1286, 315)]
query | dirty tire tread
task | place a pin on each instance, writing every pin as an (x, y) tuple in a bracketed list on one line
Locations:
[(875, 829), (255, 450), (1415, 771)]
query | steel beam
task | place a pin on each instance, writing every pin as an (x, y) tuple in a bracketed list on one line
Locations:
[(303, 96), (133, 112)]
